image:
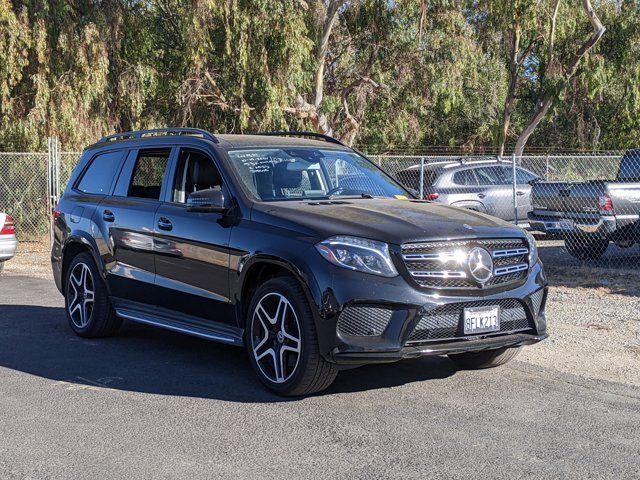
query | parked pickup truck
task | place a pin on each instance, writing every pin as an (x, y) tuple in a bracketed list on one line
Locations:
[(591, 214)]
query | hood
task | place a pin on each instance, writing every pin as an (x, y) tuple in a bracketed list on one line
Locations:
[(385, 219)]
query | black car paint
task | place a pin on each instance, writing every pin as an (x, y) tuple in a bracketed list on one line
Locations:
[(202, 265)]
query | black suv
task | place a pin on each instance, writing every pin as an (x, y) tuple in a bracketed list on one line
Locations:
[(292, 245)]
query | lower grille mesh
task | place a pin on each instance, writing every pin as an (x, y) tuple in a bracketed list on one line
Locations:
[(536, 299), (445, 322), (364, 320)]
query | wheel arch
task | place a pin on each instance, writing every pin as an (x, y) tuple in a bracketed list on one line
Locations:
[(75, 245), (261, 268), (470, 205)]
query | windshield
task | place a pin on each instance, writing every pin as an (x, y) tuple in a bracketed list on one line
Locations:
[(309, 173)]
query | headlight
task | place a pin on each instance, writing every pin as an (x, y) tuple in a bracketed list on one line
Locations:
[(359, 254), (533, 249)]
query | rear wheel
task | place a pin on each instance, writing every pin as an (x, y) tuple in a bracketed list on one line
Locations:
[(583, 247), (485, 358), (89, 311), (282, 342)]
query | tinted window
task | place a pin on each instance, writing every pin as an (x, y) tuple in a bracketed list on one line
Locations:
[(148, 174), (195, 171), (630, 166), (465, 177), (99, 176)]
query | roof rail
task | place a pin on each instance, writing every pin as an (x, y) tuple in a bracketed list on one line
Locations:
[(159, 132), (326, 138)]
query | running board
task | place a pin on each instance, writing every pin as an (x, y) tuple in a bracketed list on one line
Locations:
[(184, 324)]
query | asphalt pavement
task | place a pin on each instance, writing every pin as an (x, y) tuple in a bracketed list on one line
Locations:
[(154, 404)]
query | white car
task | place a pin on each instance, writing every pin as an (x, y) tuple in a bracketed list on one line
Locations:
[(8, 240)]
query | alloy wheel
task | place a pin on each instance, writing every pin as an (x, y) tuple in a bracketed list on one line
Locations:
[(275, 337), (80, 295)]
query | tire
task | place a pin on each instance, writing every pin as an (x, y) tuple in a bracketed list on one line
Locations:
[(585, 248), (89, 314), (1, 266), (282, 342), (485, 358)]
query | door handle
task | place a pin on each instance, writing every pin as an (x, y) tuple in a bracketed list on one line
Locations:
[(482, 195), (164, 224), (108, 216), (519, 194)]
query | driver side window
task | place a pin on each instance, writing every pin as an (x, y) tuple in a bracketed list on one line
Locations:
[(196, 171)]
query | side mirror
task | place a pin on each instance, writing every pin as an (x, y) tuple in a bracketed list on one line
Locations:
[(210, 200), (533, 181)]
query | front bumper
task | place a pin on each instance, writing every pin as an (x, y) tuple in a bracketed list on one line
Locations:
[(8, 245), (391, 336), (458, 346)]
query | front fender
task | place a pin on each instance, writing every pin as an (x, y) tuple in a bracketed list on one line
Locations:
[(470, 205)]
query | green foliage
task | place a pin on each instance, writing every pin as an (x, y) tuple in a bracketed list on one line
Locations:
[(80, 70)]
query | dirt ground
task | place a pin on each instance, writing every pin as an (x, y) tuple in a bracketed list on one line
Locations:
[(593, 314)]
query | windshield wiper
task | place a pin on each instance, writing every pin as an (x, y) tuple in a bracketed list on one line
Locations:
[(362, 195)]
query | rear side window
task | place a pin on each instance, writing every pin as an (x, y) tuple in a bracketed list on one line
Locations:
[(146, 181), (465, 177), (98, 177), (491, 176)]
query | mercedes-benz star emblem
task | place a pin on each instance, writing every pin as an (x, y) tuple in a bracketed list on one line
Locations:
[(480, 264)]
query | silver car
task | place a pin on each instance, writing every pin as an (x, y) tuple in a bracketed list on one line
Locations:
[(484, 185), (8, 240)]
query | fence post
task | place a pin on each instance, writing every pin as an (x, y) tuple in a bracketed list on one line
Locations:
[(514, 183), (53, 180), (421, 178)]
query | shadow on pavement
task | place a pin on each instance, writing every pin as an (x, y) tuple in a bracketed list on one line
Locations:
[(37, 340)]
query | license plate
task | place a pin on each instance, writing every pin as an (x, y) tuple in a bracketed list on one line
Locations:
[(564, 225), (481, 319)]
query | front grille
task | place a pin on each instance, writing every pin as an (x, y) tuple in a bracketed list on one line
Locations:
[(445, 322), (364, 320), (444, 264)]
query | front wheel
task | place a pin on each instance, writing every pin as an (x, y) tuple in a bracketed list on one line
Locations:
[(485, 358), (282, 342)]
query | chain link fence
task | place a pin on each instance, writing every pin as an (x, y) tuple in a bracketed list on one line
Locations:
[(584, 208)]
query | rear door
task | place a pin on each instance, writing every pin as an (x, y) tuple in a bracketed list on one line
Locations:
[(128, 217), (192, 248), (496, 192)]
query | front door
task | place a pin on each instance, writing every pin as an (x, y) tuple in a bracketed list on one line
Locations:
[(192, 248)]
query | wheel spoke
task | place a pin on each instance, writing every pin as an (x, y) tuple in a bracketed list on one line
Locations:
[(276, 351), (81, 295)]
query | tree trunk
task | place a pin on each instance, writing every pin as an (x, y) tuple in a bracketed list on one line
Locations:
[(547, 100), (303, 108), (511, 91)]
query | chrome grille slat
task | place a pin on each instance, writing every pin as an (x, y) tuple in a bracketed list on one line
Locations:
[(441, 274), (510, 269), (442, 264), (509, 253)]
